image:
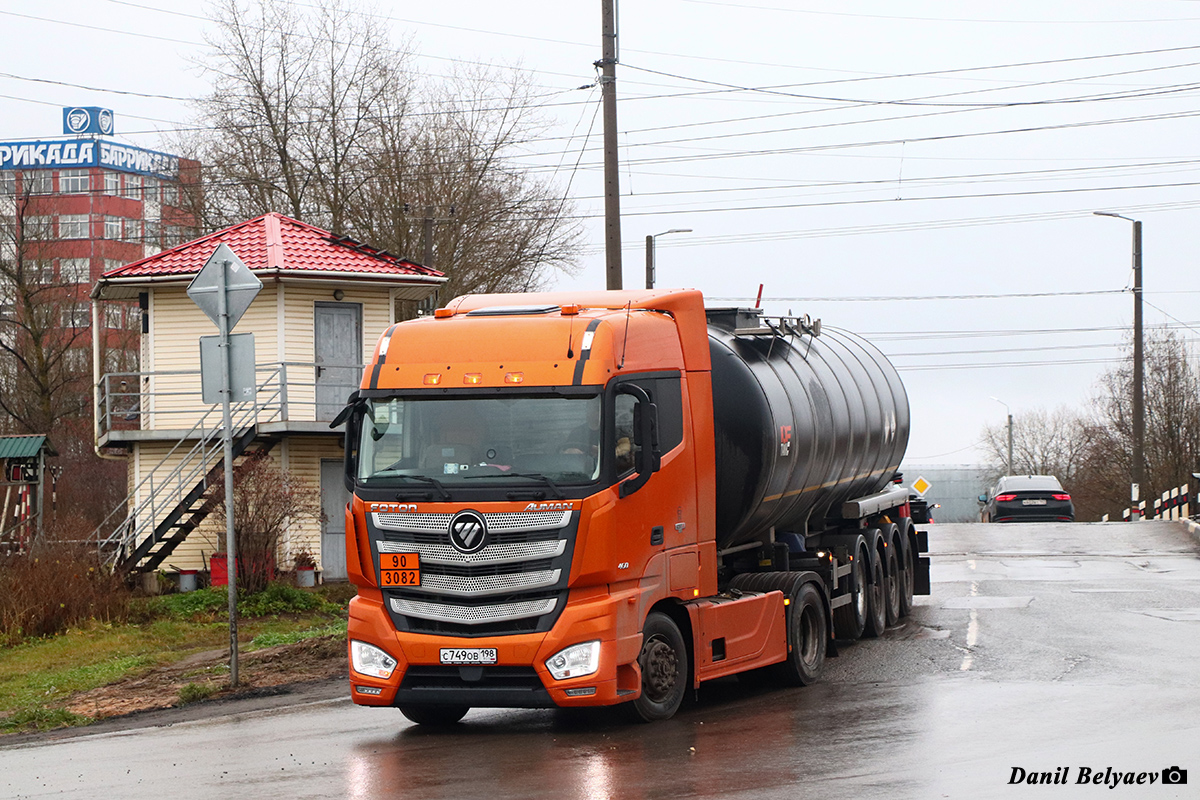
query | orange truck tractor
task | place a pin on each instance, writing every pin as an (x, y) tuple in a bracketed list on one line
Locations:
[(602, 498)]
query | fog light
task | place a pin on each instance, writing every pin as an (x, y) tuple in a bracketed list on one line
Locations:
[(575, 661), (586, 691), (370, 660), (373, 690)]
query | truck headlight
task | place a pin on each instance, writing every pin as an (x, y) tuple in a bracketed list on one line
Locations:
[(370, 660), (575, 661)]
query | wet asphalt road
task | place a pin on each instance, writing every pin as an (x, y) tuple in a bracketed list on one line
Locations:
[(1043, 647)]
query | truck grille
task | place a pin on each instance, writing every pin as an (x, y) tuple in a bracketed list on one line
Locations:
[(514, 584)]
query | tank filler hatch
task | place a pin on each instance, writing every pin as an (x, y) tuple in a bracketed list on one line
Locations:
[(752, 322)]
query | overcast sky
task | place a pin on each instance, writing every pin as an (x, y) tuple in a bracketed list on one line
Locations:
[(888, 167)]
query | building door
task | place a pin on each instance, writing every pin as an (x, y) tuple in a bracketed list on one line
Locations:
[(338, 354), (334, 498)]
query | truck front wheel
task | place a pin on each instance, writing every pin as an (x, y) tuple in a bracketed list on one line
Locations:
[(434, 715), (663, 662), (808, 637)]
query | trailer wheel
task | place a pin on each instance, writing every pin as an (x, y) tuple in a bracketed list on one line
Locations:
[(891, 564), (908, 560), (876, 598), (808, 637), (434, 715), (663, 662), (850, 620)]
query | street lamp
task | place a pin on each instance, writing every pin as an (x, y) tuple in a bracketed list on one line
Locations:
[(1139, 390), (1010, 429), (650, 253)]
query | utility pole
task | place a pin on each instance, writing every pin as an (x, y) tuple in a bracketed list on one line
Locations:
[(1010, 433), (427, 238), (1138, 468), (651, 261), (612, 189)]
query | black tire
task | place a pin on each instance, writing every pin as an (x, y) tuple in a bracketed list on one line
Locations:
[(664, 665), (808, 637), (908, 561), (892, 578), (876, 598), (434, 716), (850, 620)]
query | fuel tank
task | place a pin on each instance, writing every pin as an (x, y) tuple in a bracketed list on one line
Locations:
[(805, 419)]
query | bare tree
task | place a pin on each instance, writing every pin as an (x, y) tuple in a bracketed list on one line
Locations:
[(1044, 443), (317, 116), (1172, 403)]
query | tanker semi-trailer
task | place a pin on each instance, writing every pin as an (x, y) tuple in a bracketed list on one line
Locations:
[(602, 498)]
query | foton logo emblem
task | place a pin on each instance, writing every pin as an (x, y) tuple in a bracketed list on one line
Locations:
[(549, 507), (468, 532)]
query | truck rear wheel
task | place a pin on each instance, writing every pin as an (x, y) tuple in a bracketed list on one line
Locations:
[(664, 665), (876, 598), (891, 565), (850, 620), (434, 715), (808, 637)]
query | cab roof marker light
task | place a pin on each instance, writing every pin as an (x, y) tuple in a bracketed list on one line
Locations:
[(570, 309), (473, 378), (432, 378), (514, 377), (443, 313)]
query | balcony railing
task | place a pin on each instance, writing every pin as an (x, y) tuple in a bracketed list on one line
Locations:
[(164, 401)]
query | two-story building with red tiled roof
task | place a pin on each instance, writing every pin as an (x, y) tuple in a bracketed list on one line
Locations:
[(325, 300)]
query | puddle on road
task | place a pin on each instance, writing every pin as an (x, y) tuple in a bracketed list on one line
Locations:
[(987, 602)]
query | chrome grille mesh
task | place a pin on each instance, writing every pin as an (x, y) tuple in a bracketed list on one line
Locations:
[(492, 554), (500, 521), (473, 615), (489, 584), (455, 588)]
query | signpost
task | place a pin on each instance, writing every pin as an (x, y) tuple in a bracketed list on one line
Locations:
[(224, 289)]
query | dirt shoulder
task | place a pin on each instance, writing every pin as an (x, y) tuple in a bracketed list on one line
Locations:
[(198, 688)]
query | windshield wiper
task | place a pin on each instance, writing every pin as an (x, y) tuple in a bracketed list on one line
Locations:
[(434, 482), (536, 476)]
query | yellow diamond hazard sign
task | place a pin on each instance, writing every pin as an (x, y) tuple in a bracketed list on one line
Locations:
[(921, 485)]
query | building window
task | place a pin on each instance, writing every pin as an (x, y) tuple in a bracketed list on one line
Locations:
[(73, 226), (41, 272), (133, 186), (36, 182), (150, 193), (112, 316), (34, 227), (77, 315), (75, 270), (112, 183), (112, 227), (8, 183), (170, 194), (113, 263), (133, 230), (74, 181)]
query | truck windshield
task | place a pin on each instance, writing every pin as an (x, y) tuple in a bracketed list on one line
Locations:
[(455, 439)]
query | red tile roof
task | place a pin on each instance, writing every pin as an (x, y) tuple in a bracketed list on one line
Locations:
[(276, 242)]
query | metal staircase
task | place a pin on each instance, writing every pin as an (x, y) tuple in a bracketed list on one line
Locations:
[(178, 493)]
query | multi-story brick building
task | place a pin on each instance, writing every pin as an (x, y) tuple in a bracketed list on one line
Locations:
[(89, 204)]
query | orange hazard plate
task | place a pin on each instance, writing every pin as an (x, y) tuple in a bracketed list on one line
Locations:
[(399, 569)]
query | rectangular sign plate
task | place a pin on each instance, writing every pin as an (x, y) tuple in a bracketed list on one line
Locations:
[(1033, 502), (468, 655), (399, 569)]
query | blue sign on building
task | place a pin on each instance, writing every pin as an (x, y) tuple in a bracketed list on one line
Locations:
[(75, 153), (81, 120)]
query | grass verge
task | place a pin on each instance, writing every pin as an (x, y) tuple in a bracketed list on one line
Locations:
[(39, 677)]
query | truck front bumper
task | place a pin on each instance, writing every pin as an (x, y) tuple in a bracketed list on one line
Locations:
[(519, 678)]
